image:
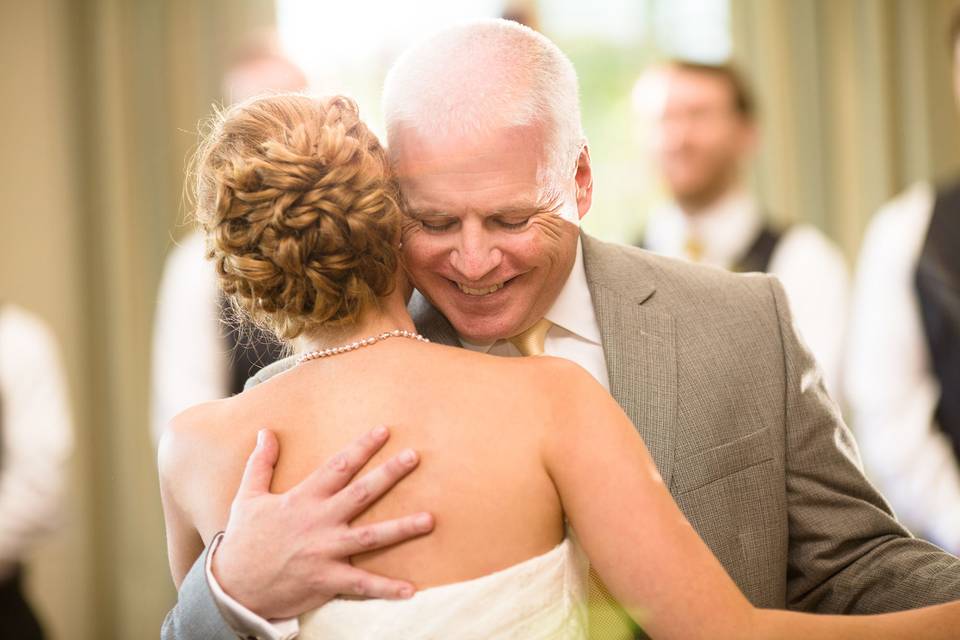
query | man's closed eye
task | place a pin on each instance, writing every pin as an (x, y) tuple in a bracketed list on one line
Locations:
[(513, 224), (438, 226)]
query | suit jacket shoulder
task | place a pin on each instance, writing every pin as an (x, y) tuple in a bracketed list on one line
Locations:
[(670, 283), (271, 370)]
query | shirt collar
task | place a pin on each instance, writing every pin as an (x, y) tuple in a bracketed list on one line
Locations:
[(572, 310)]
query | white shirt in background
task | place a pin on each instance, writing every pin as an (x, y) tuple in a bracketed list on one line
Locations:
[(190, 356), (890, 384), (36, 431), (812, 269)]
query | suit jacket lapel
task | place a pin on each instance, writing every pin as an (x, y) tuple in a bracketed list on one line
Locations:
[(638, 344), (430, 322)]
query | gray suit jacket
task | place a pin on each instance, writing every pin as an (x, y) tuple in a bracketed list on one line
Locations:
[(710, 368)]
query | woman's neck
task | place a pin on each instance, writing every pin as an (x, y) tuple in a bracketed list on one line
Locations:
[(373, 323)]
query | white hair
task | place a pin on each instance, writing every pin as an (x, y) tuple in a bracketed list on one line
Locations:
[(486, 75)]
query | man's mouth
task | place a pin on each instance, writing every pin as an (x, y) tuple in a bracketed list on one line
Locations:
[(484, 291)]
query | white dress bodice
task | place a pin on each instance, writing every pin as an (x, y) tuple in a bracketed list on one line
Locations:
[(543, 597)]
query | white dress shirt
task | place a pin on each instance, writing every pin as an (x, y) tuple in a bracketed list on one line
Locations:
[(37, 435), (890, 384), (575, 335), (190, 355), (812, 269)]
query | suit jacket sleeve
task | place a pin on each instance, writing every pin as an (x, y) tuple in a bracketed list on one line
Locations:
[(847, 552), (195, 616)]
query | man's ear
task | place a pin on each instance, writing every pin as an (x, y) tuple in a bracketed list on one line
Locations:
[(584, 180)]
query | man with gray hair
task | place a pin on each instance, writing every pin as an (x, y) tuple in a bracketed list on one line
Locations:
[(494, 170)]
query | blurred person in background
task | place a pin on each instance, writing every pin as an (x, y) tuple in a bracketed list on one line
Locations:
[(198, 354), (903, 367), (704, 132), (36, 438)]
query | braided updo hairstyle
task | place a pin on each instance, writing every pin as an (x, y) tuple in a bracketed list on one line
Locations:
[(300, 212)]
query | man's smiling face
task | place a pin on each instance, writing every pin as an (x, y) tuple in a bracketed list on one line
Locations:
[(485, 244)]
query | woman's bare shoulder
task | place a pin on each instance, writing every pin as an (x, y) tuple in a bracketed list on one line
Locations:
[(555, 382), (193, 424), (201, 436)]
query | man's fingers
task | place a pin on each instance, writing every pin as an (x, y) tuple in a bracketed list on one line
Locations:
[(360, 583), (382, 534), (338, 470), (258, 473), (353, 499)]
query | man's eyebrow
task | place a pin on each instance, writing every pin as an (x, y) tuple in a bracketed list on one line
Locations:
[(427, 213), (547, 205), (516, 209)]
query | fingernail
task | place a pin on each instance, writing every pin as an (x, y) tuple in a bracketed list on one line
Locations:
[(424, 521), (380, 432), (261, 435), (408, 456), (406, 592)]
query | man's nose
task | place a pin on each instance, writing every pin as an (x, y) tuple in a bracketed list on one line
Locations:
[(476, 255)]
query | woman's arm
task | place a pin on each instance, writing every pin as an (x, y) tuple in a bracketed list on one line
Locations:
[(638, 541), (184, 544), (646, 552)]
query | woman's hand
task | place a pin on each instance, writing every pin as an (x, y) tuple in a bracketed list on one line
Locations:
[(285, 554)]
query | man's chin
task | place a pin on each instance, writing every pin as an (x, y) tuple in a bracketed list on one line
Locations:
[(480, 332), (477, 320), (475, 335)]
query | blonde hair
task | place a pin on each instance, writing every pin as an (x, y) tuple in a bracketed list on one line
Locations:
[(300, 212), (485, 75)]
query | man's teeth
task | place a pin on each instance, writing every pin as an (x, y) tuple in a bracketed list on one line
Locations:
[(470, 291)]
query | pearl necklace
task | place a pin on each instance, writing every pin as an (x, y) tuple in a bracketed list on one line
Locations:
[(353, 346)]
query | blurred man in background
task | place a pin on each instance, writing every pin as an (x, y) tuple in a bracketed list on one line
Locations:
[(704, 133), (36, 438), (903, 369), (201, 351)]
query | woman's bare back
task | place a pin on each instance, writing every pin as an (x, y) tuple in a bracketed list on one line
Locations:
[(476, 422)]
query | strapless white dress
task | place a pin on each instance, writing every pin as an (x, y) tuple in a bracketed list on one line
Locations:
[(543, 597)]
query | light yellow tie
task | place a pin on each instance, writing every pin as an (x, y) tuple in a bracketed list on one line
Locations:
[(607, 620), (530, 342), (694, 248)]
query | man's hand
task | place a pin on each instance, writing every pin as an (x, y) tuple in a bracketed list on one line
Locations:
[(285, 554)]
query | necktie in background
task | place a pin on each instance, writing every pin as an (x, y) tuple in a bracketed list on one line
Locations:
[(693, 248)]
